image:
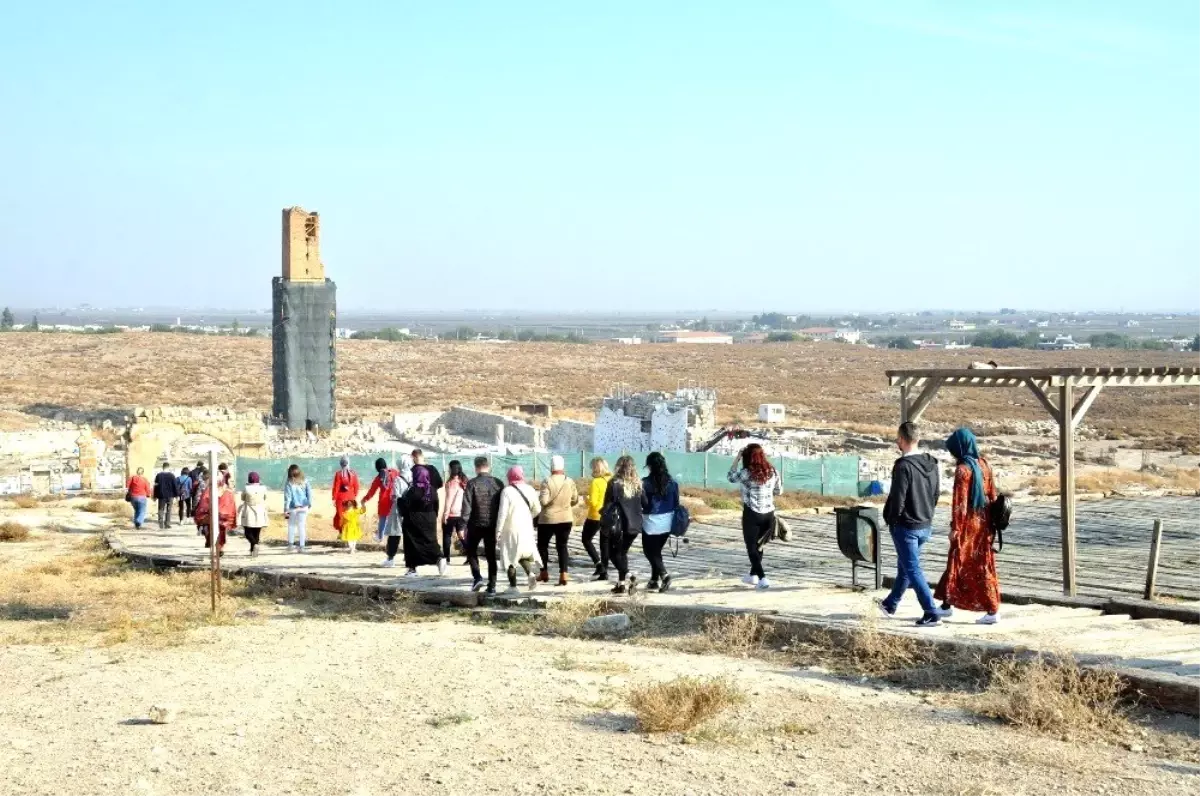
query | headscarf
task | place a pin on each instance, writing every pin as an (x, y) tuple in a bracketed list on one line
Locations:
[(964, 448), (405, 465), (557, 464), (380, 465), (421, 481), (252, 478), (344, 463), (516, 475)]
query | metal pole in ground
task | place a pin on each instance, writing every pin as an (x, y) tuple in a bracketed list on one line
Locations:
[(213, 527), (1152, 569)]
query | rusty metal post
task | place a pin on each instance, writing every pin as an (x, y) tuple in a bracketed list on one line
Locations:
[(214, 524), (1152, 569)]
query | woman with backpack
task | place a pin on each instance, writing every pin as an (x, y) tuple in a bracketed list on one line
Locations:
[(516, 541), (760, 484), (660, 498), (970, 581), (621, 518)]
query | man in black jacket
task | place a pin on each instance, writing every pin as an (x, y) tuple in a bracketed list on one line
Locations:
[(165, 492), (480, 510), (909, 515)]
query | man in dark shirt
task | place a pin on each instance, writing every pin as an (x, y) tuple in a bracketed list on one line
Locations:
[(909, 515), (165, 491), (480, 509)]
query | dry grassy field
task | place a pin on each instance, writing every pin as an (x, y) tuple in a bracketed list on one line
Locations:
[(819, 382)]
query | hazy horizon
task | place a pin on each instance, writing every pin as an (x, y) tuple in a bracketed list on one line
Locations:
[(840, 156)]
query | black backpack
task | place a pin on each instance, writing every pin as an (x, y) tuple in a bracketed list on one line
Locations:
[(1000, 513)]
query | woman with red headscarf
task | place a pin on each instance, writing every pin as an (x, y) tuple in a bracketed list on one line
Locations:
[(760, 484), (227, 511), (516, 540)]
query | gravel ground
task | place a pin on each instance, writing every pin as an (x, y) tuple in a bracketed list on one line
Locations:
[(289, 704)]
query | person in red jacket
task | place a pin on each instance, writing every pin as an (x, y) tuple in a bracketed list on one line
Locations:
[(137, 492), (384, 484), (345, 488)]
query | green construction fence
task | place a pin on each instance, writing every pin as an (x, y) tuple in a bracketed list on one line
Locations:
[(826, 475)]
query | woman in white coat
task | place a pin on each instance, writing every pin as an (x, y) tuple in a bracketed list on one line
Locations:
[(516, 538), (254, 516)]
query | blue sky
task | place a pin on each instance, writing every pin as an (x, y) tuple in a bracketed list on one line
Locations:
[(605, 156)]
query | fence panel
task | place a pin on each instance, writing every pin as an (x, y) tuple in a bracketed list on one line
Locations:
[(828, 475)]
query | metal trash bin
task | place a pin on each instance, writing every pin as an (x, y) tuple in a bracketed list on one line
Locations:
[(858, 529)]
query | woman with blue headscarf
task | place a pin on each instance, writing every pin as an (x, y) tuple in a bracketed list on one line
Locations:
[(969, 581)]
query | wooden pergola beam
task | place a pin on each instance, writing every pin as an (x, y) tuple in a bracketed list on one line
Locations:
[(1066, 484), (1039, 392), (1083, 405), (926, 397)]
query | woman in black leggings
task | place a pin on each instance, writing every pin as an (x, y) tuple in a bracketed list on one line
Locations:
[(623, 503), (760, 484)]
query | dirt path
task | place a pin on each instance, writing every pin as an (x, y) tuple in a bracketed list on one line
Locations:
[(308, 706)]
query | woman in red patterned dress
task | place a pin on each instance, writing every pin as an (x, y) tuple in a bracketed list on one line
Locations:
[(969, 581)]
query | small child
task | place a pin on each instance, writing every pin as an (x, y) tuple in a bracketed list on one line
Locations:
[(351, 527)]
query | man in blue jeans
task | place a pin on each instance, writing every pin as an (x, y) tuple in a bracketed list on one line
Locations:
[(909, 515)]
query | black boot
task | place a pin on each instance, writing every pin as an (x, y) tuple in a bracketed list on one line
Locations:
[(512, 577)]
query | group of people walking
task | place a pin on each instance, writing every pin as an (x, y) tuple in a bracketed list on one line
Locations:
[(516, 523)]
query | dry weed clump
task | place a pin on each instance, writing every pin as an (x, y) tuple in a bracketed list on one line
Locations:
[(13, 531), (25, 502), (739, 635), (1114, 480), (682, 704), (566, 617), (105, 507), (1055, 696)]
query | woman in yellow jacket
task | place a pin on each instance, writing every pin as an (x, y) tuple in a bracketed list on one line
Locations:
[(595, 501)]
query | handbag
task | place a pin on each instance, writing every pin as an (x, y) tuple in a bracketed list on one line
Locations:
[(681, 518), (999, 515), (128, 496)]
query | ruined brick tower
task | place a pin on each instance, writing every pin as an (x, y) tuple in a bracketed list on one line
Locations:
[(304, 311)]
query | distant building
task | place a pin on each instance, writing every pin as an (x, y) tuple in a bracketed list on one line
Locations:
[(960, 326), (830, 333), (688, 336), (1063, 342), (628, 340), (1129, 324)]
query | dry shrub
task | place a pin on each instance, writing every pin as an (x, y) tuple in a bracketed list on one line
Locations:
[(681, 704), (1175, 478), (740, 635), (13, 531), (25, 502), (565, 662), (722, 503), (1055, 696)]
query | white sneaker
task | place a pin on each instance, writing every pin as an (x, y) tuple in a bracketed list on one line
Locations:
[(388, 562), (412, 573), (750, 580), (763, 584), (945, 613), (987, 619), (532, 581), (441, 567)]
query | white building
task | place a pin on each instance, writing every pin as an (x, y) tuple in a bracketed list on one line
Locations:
[(655, 421), (771, 413), (628, 340)]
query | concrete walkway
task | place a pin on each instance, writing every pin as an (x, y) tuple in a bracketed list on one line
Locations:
[(1159, 650)]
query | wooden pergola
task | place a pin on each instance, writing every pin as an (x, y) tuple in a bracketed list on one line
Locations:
[(1055, 389)]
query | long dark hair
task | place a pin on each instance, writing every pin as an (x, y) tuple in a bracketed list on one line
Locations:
[(659, 477), (456, 472), (294, 473), (754, 459)]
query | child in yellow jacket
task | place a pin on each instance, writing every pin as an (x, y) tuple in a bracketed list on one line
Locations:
[(352, 524)]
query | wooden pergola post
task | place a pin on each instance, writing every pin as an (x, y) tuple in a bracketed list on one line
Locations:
[(1068, 412), (1066, 483)]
